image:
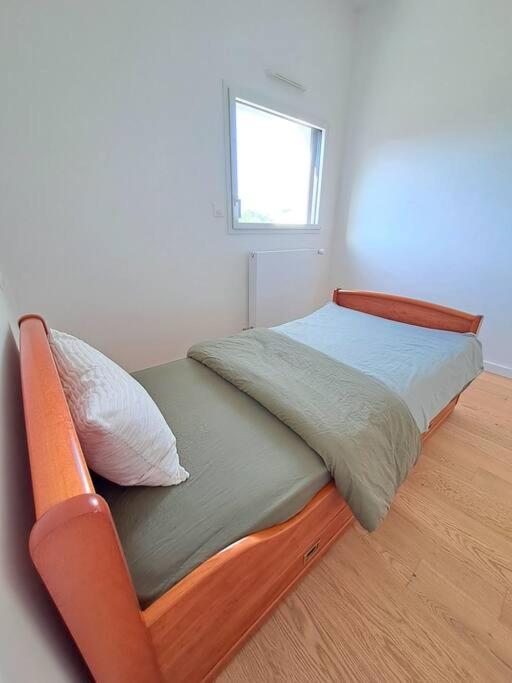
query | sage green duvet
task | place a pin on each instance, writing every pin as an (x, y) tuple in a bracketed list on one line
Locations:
[(363, 431)]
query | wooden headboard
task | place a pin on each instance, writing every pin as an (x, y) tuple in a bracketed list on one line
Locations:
[(58, 467), (411, 311), (74, 543)]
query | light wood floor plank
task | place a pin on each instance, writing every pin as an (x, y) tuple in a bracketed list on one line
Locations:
[(481, 546), (476, 501), (491, 484), (411, 544), (428, 596), (467, 614), (415, 629), (506, 612), (493, 378), (461, 451), (479, 422)]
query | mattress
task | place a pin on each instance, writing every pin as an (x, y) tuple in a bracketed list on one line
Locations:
[(248, 471), (426, 367)]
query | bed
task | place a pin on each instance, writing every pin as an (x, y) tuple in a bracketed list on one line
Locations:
[(179, 613)]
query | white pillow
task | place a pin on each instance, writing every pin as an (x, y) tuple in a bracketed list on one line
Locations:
[(122, 433)]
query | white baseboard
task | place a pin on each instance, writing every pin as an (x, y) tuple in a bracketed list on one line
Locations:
[(498, 369)]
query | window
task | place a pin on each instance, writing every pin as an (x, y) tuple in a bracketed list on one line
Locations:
[(276, 167)]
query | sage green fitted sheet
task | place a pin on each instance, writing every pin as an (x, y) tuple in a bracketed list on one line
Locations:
[(248, 471)]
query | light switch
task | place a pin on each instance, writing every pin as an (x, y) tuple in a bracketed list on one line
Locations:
[(217, 210)]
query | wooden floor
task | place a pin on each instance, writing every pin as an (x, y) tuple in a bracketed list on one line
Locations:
[(428, 597)]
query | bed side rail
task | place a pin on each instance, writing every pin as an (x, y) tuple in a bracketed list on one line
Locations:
[(405, 310), (74, 543)]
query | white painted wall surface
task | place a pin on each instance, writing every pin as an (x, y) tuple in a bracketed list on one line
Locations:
[(112, 147), (427, 187), (34, 644)]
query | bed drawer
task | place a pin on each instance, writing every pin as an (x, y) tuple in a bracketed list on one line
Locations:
[(209, 614)]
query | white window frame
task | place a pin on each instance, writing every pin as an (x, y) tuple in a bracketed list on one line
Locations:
[(231, 95)]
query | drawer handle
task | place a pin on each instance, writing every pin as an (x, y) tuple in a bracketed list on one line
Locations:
[(311, 552)]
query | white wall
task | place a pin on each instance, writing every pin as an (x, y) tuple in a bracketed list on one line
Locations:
[(427, 187), (34, 645), (112, 152)]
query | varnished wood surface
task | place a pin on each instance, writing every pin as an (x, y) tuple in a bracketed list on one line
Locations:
[(440, 418), (78, 555), (428, 597), (406, 310), (199, 623), (57, 464)]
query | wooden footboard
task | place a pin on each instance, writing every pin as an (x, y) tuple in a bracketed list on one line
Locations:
[(411, 311), (191, 631)]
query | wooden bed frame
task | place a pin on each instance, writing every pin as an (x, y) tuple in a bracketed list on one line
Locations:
[(190, 632)]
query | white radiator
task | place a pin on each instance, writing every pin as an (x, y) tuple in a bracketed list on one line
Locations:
[(286, 284)]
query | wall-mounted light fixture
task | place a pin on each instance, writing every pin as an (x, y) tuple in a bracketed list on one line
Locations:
[(285, 79)]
